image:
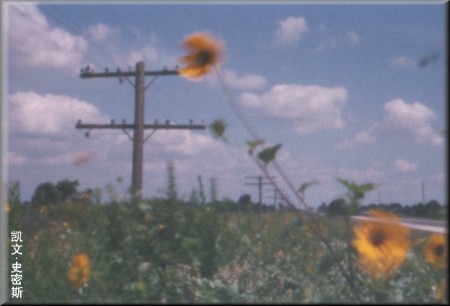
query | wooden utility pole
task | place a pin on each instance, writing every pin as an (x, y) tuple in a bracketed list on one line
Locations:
[(423, 193), (260, 185), (139, 124), (275, 197)]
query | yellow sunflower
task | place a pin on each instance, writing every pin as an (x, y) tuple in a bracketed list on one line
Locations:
[(203, 53), (435, 250), (78, 273), (382, 243)]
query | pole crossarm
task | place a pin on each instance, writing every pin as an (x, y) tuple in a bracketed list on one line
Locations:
[(145, 126), (87, 73)]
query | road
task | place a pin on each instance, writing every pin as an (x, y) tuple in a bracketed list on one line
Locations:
[(434, 226)]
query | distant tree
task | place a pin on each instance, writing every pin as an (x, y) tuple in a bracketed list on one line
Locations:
[(323, 208), (46, 194), (201, 190), (194, 198), (213, 189), (338, 207), (171, 182), (14, 192), (67, 190), (395, 207), (433, 208), (245, 202), (418, 209)]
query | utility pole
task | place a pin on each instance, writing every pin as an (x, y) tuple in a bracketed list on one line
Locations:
[(260, 185), (275, 197), (423, 193), (139, 124)]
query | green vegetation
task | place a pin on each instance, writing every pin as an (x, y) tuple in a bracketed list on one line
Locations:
[(166, 250)]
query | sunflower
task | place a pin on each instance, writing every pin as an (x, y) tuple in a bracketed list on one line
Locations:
[(78, 273), (382, 243), (204, 52), (435, 250)]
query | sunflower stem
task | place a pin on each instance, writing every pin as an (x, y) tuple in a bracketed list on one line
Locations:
[(314, 225)]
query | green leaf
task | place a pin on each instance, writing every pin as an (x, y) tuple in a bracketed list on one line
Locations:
[(306, 185), (218, 128), (267, 155), (252, 144), (357, 191)]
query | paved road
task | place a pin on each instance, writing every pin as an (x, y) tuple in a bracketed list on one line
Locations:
[(434, 226)]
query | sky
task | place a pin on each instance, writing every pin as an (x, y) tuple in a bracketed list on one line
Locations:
[(351, 91)]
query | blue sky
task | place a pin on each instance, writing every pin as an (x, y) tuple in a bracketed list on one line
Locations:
[(339, 86)]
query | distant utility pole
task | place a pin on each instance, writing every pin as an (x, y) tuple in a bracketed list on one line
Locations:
[(138, 126), (260, 185), (275, 197), (423, 192)]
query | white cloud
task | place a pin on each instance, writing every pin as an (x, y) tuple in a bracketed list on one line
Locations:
[(359, 175), (290, 30), (403, 119), (16, 158), (311, 107), (148, 54), (412, 119), (405, 166), (352, 37), (34, 43), (364, 137), (49, 114), (248, 81), (334, 41), (402, 62), (101, 32), (184, 143)]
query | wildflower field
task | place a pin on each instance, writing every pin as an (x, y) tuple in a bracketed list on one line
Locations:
[(168, 251)]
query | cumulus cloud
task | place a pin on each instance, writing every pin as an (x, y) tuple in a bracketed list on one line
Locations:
[(290, 30), (185, 143), (34, 43), (359, 175), (248, 81), (402, 62), (412, 119), (147, 54), (101, 32), (334, 41), (364, 137), (30, 112), (352, 37), (401, 119), (311, 107), (405, 166)]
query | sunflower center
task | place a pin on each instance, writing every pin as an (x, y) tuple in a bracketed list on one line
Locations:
[(439, 250), (204, 58), (377, 238)]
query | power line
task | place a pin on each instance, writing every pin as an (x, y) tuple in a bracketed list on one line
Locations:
[(74, 26)]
